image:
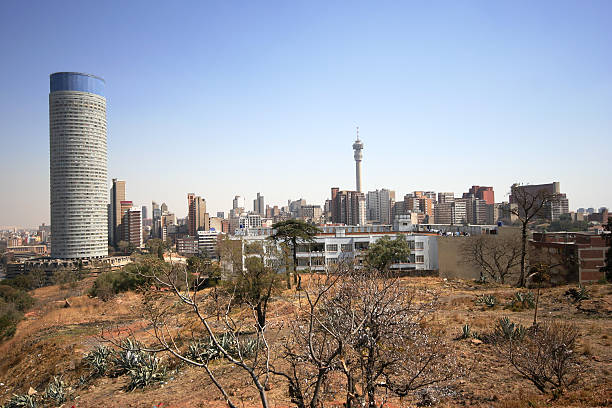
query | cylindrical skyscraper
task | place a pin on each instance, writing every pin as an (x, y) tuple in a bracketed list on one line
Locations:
[(77, 130), (357, 147)]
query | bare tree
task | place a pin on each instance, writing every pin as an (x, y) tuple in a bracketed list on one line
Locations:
[(497, 257), (529, 205), (547, 358), (171, 333), (370, 329)]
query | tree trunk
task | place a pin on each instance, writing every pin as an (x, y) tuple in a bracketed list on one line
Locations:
[(521, 282), (296, 279), (535, 312), (261, 316)]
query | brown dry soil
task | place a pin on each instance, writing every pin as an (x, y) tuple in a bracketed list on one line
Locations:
[(53, 339)]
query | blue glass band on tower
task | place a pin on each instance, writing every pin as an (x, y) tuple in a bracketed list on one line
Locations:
[(76, 81)]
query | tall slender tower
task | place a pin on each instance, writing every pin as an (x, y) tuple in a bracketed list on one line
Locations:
[(358, 147), (77, 136)]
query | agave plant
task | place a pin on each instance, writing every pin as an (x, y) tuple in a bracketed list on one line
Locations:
[(98, 360), (147, 371), (508, 330), (129, 357), (56, 391), (523, 300), (21, 401), (487, 300), (465, 332), (206, 350)]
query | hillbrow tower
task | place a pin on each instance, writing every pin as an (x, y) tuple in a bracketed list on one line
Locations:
[(358, 147), (78, 165)]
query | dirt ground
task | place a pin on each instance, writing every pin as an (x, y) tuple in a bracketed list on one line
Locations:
[(53, 339)]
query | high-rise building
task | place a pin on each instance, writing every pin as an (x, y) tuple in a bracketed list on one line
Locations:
[(117, 195), (379, 206), (78, 170), (258, 205), (557, 202), (446, 197), (483, 193), (348, 207), (145, 213), (132, 223), (236, 203), (358, 147), (220, 214), (452, 213), (198, 217)]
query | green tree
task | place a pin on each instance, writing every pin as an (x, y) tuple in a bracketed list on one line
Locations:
[(256, 284), (386, 251), (292, 232)]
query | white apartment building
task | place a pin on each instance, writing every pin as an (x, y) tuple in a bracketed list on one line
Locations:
[(336, 243), (207, 243)]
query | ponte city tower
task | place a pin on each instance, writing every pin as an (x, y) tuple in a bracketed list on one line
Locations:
[(358, 147), (78, 166)]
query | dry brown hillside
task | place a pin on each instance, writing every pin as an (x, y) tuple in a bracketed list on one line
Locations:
[(53, 338)]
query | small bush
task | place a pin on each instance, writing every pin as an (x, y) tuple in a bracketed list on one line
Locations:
[(547, 357), (148, 370), (108, 284), (99, 360), (578, 295), (20, 298), (21, 401), (9, 317), (56, 391)]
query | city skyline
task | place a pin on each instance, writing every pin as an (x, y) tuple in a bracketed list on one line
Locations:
[(172, 130)]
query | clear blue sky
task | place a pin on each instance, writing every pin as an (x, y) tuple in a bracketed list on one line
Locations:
[(235, 97)]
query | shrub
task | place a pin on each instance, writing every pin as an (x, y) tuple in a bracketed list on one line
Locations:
[(578, 295), (56, 391), (20, 298), (9, 317), (108, 284), (98, 360), (547, 357), (148, 370)]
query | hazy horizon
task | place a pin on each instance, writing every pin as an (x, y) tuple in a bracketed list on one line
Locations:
[(225, 99)]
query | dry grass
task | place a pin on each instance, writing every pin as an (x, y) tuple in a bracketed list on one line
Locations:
[(52, 340)]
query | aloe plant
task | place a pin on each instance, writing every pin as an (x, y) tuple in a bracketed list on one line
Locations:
[(56, 391), (487, 300), (508, 330), (98, 360), (147, 371), (21, 401)]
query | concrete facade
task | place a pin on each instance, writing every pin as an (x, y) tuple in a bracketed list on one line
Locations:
[(78, 166)]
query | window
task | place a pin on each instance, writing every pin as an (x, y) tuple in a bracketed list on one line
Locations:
[(332, 247), (419, 245), (420, 259), (346, 247), (362, 246)]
